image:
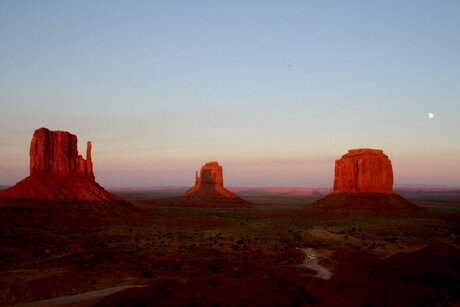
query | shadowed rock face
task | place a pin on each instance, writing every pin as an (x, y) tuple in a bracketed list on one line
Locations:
[(363, 170), (58, 172), (55, 153), (210, 183), (211, 173)]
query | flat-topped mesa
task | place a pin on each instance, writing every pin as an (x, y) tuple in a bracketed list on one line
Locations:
[(210, 182), (363, 183), (55, 153), (363, 170)]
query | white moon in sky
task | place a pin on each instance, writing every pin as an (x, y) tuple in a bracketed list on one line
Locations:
[(430, 115)]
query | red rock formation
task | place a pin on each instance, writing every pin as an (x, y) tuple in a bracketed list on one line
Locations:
[(210, 183), (55, 153), (363, 170), (364, 183), (58, 172)]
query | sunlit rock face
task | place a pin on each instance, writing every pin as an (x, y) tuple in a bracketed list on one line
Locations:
[(363, 184), (210, 183), (58, 172), (55, 153), (363, 170)]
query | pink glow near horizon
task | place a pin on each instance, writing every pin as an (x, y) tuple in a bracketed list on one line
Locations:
[(314, 172), (274, 94)]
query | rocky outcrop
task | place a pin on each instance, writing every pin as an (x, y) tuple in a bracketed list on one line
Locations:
[(363, 170), (55, 153), (363, 183), (58, 172), (211, 174), (209, 184)]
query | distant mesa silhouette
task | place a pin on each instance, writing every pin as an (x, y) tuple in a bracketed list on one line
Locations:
[(58, 172), (209, 185), (363, 181)]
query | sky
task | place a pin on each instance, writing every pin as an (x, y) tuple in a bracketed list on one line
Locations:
[(275, 91)]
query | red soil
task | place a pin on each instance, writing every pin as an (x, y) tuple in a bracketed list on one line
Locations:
[(57, 188), (373, 203)]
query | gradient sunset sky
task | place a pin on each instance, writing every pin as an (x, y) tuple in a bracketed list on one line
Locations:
[(273, 90)]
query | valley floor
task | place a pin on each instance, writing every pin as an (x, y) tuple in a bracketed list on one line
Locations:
[(243, 256)]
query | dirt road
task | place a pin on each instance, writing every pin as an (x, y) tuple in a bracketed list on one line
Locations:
[(81, 299), (312, 262)]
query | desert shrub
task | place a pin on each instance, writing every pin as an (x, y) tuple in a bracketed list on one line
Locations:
[(214, 267)]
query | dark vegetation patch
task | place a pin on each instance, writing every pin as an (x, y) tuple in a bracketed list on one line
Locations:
[(233, 255)]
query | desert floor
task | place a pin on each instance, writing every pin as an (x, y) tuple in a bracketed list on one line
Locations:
[(277, 252)]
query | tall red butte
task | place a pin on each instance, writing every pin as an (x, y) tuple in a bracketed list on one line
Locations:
[(363, 170), (209, 186), (363, 181), (55, 153), (58, 172)]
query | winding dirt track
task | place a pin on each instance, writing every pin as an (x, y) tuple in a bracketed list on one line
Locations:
[(81, 299), (312, 262)]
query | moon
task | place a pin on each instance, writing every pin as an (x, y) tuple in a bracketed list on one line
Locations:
[(431, 115)]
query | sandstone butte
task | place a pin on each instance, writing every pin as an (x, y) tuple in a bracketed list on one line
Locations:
[(54, 153), (363, 170), (209, 184), (58, 172), (363, 181)]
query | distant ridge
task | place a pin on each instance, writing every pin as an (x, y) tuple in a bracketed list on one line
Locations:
[(295, 191), (429, 189), (424, 185), (275, 190), (147, 189), (292, 191)]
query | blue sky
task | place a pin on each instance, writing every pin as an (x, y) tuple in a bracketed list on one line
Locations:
[(274, 90)]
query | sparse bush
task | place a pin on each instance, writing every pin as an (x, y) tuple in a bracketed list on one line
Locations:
[(212, 282), (214, 268)]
